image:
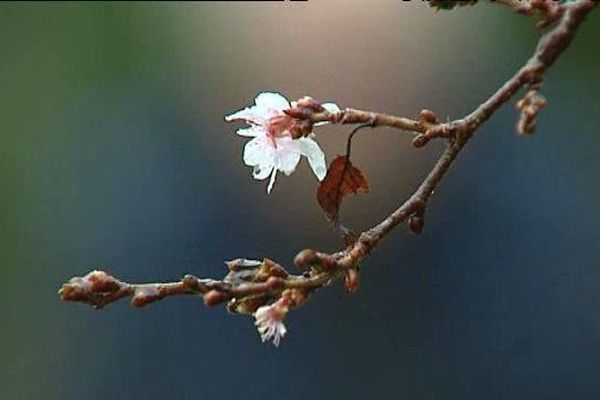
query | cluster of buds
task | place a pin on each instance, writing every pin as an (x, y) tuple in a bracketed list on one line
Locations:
[(92, 288), (431, 124), (269, 307), (310, 260), (248, 271), (530, 106), (301, 112)]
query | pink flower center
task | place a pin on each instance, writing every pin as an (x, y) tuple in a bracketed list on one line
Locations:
[(279, 126)]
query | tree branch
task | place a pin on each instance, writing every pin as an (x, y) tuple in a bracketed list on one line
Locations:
[(253, 284)]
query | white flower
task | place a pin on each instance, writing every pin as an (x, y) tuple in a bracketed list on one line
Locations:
[(269, 322), (272, 148)]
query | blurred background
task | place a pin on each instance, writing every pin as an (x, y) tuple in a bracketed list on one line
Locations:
[(114, 154)]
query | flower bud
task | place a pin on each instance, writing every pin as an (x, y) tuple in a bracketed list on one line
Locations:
[(242, 263), (416, 223), (100, 281), (274, 283), (270, 268), (420, 140), (530, 106), (245, 306), (295, 297), (351, 280), (311, 104), (306, 258), (145, 295), (298, 112), (214, 297), (428, 116)]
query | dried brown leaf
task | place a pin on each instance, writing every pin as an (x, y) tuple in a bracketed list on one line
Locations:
[(341, 180)]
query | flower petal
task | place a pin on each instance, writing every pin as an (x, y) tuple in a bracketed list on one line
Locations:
[(272, 181), (254, 114), (279, 334), (287, 162), (272, 101), (259, 151), (332, 108), (253, 131), (287, 155), (315, 156)]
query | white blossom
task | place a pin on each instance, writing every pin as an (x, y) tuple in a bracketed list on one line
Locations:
[(272, 147), (269, 322)]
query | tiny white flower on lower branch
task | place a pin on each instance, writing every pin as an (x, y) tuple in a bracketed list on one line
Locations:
[(272, 147), (269, 321)]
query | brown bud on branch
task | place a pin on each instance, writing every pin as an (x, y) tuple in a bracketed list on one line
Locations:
[(530, 106), (351, 280)]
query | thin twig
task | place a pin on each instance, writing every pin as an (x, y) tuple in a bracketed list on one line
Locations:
[(346, 233)]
